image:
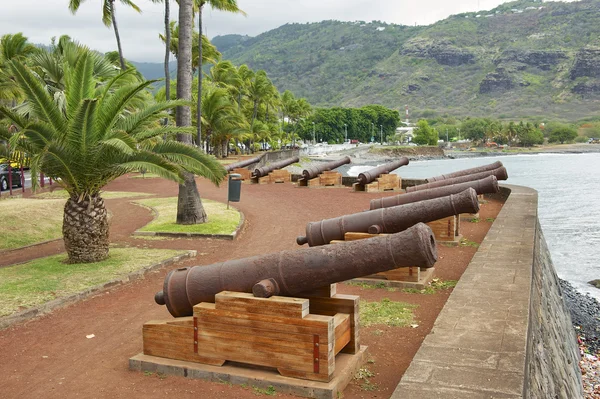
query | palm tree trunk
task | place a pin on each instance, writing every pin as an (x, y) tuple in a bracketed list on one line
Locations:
[(85, 230), (199, 105), (167, 51), (189, 204), (116, 28)]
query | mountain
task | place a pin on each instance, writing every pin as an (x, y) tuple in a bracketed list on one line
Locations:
[(519, 60), (154, 70)]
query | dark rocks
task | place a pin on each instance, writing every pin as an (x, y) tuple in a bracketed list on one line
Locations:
[(587, 63), (587, 88), (595, 283), (443, 52), (541, 59), (496, 81), (413, 88), (585, 315)]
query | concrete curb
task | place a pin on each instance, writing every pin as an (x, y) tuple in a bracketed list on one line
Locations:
[(231, 236), (48, 307)]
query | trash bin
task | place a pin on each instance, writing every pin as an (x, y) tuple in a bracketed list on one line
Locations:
[(235, 187)]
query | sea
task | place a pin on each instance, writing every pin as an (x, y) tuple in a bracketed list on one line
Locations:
[(568, 205)]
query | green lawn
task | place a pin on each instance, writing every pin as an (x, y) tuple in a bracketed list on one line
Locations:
[(386, 312), (45, 279), (220, 219), (62, 194), (29, 221)]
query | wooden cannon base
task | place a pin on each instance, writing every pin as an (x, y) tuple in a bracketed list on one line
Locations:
[(325, 179), (276, 176), (277, 333), (386, 182), (246, 174), (346, 366)]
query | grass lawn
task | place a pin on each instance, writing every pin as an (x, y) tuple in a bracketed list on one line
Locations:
[(386, 312), (220, 219), (42, 280), (29, 221), (62, 194)]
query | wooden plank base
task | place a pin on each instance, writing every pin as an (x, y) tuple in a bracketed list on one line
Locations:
[(426, 276), (246, 174), (385, 182), (346, 367), (276, 176), (276, 332), (326, 179)]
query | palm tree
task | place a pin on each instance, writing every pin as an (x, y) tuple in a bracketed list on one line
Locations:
[(209, 51), (221, 120), (221, 5), (109, 17), (189, 204), (96, 139)]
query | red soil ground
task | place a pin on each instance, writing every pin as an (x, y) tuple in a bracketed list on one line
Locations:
[(50, 357)]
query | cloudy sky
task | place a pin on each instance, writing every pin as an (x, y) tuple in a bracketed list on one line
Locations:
[(40, 20)]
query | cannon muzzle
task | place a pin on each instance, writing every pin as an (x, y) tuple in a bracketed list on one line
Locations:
[(484, 186), (242, 164), (500, 174), (294, 272), (465, 172), (389, 220), (265, 170), (316, 170), (372, 174)]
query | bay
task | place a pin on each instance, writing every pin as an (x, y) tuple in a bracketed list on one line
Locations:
[(569, 203)]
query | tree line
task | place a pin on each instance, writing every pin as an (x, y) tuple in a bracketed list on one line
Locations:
[(485, 130)]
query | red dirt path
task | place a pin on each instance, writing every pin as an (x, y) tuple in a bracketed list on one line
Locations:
[(50, 357)]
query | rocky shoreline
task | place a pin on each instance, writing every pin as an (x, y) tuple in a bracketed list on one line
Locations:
[(585, 315)]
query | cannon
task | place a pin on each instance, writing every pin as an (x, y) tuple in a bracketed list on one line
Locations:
[(465, 172), (294, 272), (242, 164), (389, 220), (372, 174), (265, 170), (314, 171), (500, 174), (484, 186)]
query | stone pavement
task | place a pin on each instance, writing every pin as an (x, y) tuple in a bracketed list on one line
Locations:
[(477, 347)]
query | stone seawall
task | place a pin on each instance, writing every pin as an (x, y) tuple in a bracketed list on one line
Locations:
[(505, 331)]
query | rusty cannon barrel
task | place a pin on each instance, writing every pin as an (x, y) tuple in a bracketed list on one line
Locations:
[(500, 174), (293, 272), (265, 170), (372, 174), (465, 172), (316, 170), (242, 164), (483, 186), (389, 220)]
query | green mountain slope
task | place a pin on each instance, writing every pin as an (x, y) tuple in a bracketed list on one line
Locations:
[(521, 59)]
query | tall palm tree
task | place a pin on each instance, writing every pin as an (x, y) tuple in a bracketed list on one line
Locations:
[(109, 17), (92, 142), (221, 5), (209, 51), (189, 204)]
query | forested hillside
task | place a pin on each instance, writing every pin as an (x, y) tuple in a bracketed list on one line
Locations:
[(521, 59)]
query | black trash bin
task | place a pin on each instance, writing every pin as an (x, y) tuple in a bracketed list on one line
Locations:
[(235, 188)]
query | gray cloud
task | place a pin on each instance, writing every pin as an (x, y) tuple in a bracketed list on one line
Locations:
[(40, 20)]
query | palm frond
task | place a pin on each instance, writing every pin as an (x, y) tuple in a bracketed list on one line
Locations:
[(133, 122), (153, 163), (82, 134), (111, 108), (81, 84), (16, 119), (192, 160), (41, 101)]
